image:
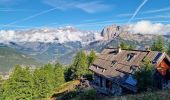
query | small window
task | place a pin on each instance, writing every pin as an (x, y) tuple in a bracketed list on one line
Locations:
[(103, 70), (133, 69), (130, 56), (113, 63), (113, 52)]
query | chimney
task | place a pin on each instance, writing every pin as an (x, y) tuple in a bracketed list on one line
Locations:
[(147, 48), (119, 49)]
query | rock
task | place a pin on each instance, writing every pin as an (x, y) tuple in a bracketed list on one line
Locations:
[(111, 32)]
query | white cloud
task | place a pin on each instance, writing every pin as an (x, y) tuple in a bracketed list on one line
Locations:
[(137, 10), (15, 10), (157, 10), (13, 26), (32, 16), (147, 27), (92, 7), (85, 5), (147, 12), (60, 35)]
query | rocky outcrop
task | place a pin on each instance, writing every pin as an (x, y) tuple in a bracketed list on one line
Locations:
[(111, 32)]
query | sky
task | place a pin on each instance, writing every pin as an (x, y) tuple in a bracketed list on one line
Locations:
[(82, 14)]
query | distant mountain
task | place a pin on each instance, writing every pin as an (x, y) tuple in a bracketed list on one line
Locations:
[(61, 44), (10, 57), (48, 45), (112, 31)]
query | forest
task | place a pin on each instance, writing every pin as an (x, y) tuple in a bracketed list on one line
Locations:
[(27, 83)]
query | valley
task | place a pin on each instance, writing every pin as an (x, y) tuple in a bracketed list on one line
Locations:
[(41, 46)]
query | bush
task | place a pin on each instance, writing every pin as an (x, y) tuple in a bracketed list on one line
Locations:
[(70, 95), (145, 76), (88, 95)]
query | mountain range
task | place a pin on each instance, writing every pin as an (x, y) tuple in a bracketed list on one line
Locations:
[(40, 46)]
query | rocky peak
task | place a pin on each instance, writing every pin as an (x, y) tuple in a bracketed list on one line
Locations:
[(111, 32)]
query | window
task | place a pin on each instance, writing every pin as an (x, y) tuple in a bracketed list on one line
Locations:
[(113, 63), (96, 66), (108, 84), (103, 70), (113, 52), (130, 56), (133, 68)]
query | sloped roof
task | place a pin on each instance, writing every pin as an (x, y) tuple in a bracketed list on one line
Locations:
[(117, 72)]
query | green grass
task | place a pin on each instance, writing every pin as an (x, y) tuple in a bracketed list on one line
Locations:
[(66, 86), (91, 95), (156, 95)]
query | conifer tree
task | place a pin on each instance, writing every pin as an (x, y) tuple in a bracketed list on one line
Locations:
[(19, 86), (1, 88), (145, 74), (158, 44), (168, 49), (42, 84), (126, 46), (58, 75), (80, 66), (91, 57)]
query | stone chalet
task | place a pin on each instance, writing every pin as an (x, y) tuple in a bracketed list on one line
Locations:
[(114, 68)]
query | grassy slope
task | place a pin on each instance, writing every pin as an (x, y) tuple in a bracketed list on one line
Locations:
[(157, 95), (10, 57), (154, 95)]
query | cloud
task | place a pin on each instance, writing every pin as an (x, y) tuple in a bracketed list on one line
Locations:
[(162, 21), (153, 18), (15, 10), (85, 5), (47, 35), (148, 27), (92, 7), (32, 16), (147, 12), (101, 23), (15, 26), (137, 10), (157, 10)]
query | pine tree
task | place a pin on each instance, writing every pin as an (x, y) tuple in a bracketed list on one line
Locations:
[(69, 73), (42, 84), (1, 88), (19, 86), (127, 46), (1, 80), (168, 50), (58, 75), (91, 57), (159, 44), (124, 45), (145, 75), (80, 65)]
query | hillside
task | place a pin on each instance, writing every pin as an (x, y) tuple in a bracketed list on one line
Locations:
[(61, 44), (91, 94), (157, 95), (10, 57)]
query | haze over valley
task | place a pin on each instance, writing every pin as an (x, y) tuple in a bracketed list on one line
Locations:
[(51, 45)]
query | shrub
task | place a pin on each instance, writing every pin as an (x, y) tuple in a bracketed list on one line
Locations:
[(88, 95), (145, 75)]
